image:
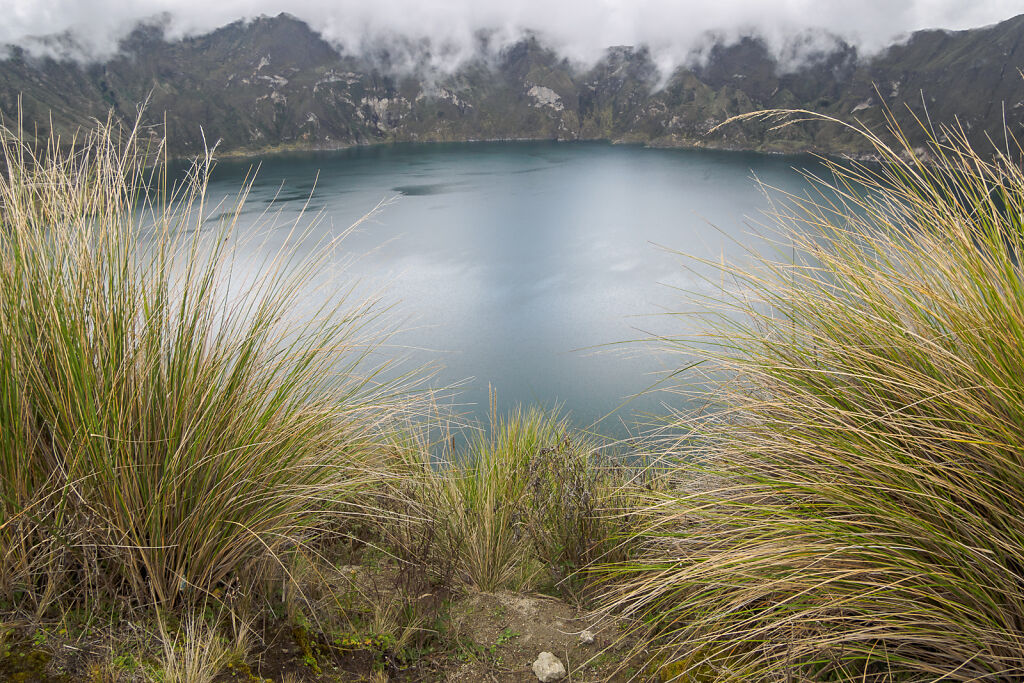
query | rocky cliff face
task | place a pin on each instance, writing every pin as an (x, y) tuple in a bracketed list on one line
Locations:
[(273, 83)]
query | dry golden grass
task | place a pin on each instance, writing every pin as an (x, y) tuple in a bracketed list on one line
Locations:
[(869, 434), (163, 437)]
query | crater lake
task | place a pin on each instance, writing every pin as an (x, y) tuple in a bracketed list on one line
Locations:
[(554, 273)]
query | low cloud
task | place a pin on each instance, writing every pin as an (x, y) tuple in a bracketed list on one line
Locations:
[(673, 30)]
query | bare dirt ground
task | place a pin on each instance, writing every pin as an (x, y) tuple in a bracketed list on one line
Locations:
[(514, 628)]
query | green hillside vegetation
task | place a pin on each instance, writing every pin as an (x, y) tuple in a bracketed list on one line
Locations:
[(197, 486)]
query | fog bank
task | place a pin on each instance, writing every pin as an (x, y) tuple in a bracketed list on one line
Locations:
[(676, 31)]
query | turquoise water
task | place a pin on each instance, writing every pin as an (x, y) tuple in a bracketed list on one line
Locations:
[(533, 268)]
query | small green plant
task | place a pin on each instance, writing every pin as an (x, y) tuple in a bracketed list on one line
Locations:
[(466, 649), (306, 640), (507, 635)]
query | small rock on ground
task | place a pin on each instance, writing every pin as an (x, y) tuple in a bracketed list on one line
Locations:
[(548, 668)]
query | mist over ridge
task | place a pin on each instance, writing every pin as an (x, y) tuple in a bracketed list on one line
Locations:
[(278, 83), (443, 35)]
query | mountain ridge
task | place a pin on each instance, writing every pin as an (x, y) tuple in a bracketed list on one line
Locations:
[(274, 83)]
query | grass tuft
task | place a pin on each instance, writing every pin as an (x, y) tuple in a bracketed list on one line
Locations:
[(528, 502), (868, 441), (166, 433)]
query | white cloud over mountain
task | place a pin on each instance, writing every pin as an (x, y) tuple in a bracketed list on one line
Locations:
[(674, 30)]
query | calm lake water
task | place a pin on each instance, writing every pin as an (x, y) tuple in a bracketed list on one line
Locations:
[(528, 266)]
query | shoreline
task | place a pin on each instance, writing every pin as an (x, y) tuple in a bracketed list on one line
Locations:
[(253, 154)]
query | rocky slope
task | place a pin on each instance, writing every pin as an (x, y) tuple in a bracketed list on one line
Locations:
[(273, 83)]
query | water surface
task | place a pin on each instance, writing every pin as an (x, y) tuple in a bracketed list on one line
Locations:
[(526, 266)]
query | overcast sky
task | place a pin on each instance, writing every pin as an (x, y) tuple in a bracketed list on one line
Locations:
[(581, 29)]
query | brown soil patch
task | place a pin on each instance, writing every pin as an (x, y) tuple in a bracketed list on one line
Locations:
[(509, 630)]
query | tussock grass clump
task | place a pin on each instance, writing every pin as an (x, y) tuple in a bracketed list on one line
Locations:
[(163, 437), (508, 500), (869, 442), (527, 503)]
